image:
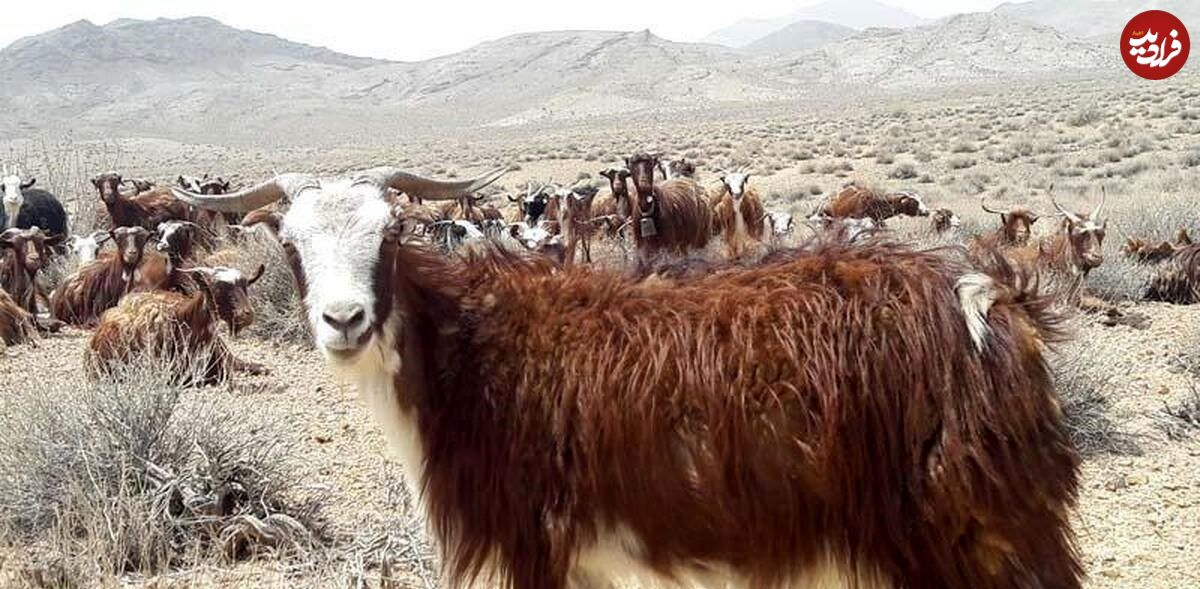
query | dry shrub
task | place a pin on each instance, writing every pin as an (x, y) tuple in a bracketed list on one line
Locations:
[(1082, 381), (395, 549), (1153, 217), (1181, 421), (130, 476)]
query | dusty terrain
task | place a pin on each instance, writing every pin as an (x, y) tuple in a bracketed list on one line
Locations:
[(1138, 520)]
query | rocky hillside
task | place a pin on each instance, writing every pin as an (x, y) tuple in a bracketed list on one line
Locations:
[(198, 79), (957, 50)]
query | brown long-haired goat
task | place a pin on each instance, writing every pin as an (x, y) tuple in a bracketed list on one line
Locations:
[(98, 286), (177, 328), (858, 202), (738, 213), (143, 209), (668, 217), (864, 414), (1016, 225), (1178, 279), (16, 324), (23, 253)]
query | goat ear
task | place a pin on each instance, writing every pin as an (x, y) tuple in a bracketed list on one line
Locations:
[(257, 274), (28, 183), (608, 173), (96, 182), (7, 237), (56, 240)]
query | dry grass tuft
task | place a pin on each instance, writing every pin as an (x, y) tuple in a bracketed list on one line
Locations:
[(1082, 383), (129, 476)]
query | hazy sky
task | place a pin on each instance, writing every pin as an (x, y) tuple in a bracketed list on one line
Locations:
[(419, 29)]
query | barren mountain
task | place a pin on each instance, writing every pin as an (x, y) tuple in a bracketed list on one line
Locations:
[(960, 49), (1095, 18), (201, 80), (855, 14), (800, 35)]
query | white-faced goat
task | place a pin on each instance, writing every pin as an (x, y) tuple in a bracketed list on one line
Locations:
[(737, 210), (26, 207), (894, 423)]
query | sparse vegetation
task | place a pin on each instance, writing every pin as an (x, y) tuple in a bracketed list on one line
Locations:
[(127, 476)]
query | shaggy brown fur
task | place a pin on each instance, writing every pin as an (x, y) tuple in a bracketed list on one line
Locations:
[(1140, 251), (1016, 225), (614, 204), (100, 284), (671, 217), (829, 404), (177, 328), (1178, 280), (145, 209), (857, 202), (578, 223), (23, 253), (739, 220), (16, 324)]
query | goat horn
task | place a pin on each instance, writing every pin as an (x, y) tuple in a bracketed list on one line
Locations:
[(1103, 197), (243, 201), (986, 209), (429, 189), (1064, 212)]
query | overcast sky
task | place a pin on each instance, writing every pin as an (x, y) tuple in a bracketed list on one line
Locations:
[(419, 29)]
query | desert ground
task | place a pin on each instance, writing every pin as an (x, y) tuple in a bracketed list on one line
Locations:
[(1131, 390)]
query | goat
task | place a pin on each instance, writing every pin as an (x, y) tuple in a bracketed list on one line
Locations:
[(86, 248), (866, 414), (669, 217), (1178, 280), (1074, 251), (168, 269), (857, 202), (577, 224), (737, 212), (676, 169), (945, 221), (777, 225), (181, 329), (614, 204), (450, 235), (538, 240), (16, 324), (1016, 225), (140, 185), (26, 207), (98, 286), (25, 254), (147, 209), (1140, 250), (532, 207)]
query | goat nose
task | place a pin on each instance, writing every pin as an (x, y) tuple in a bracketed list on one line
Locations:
[(343, 317)]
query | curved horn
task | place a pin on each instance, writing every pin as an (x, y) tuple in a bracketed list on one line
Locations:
[(427, 188), (986, 209), (1064, 212), (1103, 197), (242, 201)]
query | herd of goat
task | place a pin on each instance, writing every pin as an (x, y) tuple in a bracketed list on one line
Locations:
[(852, 409)]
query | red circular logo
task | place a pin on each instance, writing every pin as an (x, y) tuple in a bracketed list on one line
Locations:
[(1155, 45)]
